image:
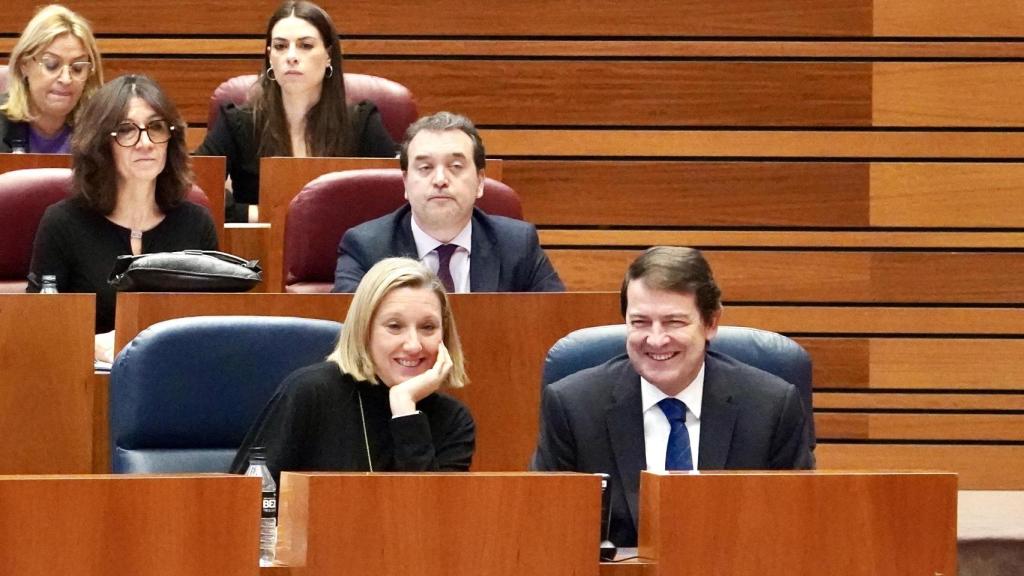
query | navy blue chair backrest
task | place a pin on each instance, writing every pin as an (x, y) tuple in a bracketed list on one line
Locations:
[(762, 349), (184, 392)]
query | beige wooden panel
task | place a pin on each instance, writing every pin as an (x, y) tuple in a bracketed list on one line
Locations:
[(992, 18), (485, 17), (649, 194), (910, 427), (958, 195), (979, 467), (982, 364), (948, 94), (828, 320), (795, 276), (754, 144), (588, 47), (917, 363), (913, 401), (781, 239)]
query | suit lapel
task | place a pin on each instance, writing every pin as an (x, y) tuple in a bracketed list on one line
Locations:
[(484, 263), (718, 417), (626, 432), (403, 243)]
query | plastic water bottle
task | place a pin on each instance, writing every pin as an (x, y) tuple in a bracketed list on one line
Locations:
[(268, 519), (49, 284)]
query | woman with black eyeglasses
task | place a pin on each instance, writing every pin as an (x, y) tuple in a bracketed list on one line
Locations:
[(131, 175), (53, 70)]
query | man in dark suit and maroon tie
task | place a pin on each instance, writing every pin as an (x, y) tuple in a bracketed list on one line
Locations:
[(669, 403), (442, 162)]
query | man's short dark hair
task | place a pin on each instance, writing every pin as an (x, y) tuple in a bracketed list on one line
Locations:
[(676, 269), (439, 123)]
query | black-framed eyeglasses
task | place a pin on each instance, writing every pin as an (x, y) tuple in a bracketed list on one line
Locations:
[(127, 134), (53, 66)]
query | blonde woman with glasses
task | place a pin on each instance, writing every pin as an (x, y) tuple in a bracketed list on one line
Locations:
[(54, 69), (131, 175)]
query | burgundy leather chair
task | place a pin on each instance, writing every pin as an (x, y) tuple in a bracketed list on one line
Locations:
[(328, 206), (24, 196), (396, 103)]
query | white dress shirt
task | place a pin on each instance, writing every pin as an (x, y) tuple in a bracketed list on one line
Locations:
[(656, 426), (426, 251)]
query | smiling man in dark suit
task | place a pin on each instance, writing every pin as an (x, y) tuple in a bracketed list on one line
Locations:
[(442, 162), (669, 403)]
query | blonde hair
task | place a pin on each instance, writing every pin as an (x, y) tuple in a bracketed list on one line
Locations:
[(353, 351), (47, 25)]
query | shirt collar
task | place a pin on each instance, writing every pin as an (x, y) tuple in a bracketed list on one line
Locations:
[(425, 243), (692, 395)]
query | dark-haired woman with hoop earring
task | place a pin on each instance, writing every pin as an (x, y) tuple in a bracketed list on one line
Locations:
[(297, 108)]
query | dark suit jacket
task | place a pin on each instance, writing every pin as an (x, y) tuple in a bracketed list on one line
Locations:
[(506, 255), (592, 421)]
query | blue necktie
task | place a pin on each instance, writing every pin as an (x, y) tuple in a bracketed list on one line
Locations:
[(678, 456), (444, 260)]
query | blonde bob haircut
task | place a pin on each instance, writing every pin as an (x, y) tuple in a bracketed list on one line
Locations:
[(353, 351), (46, 26)]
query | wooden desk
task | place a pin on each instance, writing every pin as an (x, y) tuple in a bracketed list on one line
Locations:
[(505, 338), (439, 524), (138, 525), (46, 396), (784, 523)]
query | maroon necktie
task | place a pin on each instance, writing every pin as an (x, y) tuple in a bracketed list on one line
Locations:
[(444, 271)]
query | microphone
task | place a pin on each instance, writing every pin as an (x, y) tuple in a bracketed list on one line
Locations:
[(608, 549)]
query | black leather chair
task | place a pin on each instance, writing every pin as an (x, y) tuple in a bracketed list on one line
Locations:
[(184, 392), (768, 351)]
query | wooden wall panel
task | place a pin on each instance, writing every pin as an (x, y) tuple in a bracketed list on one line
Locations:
[(805, 320), (979, 467), (915, 427), (752, 144), (875, 401), (947, 195), (528, 17), (995, 18), (567, 193), (569, 92), (189, 82), (810, 277), (948, 94)]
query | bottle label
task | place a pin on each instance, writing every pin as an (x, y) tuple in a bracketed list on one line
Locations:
[(269, 505)]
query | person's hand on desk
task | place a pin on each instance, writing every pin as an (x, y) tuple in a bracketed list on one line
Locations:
[(404, 396)]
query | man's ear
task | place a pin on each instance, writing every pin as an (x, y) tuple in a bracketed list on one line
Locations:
[(711, 330), (480, 187)]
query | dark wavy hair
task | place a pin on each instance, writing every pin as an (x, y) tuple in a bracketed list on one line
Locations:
[(440, 122), (676, 269), (328, 129), (94, 181)]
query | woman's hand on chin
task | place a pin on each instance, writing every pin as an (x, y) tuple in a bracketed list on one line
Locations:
[(406, 395)]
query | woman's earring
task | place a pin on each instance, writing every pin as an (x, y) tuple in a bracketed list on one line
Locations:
[(270, 73), (330, 71)]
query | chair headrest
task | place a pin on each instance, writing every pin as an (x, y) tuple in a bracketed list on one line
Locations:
[(200, 382), (396, 103), (24, 196)]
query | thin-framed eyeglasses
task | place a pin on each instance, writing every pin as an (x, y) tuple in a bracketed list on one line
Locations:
[(52, 66), (127, 134)]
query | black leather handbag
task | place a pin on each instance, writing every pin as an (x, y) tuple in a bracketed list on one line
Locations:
[(185, 271)]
